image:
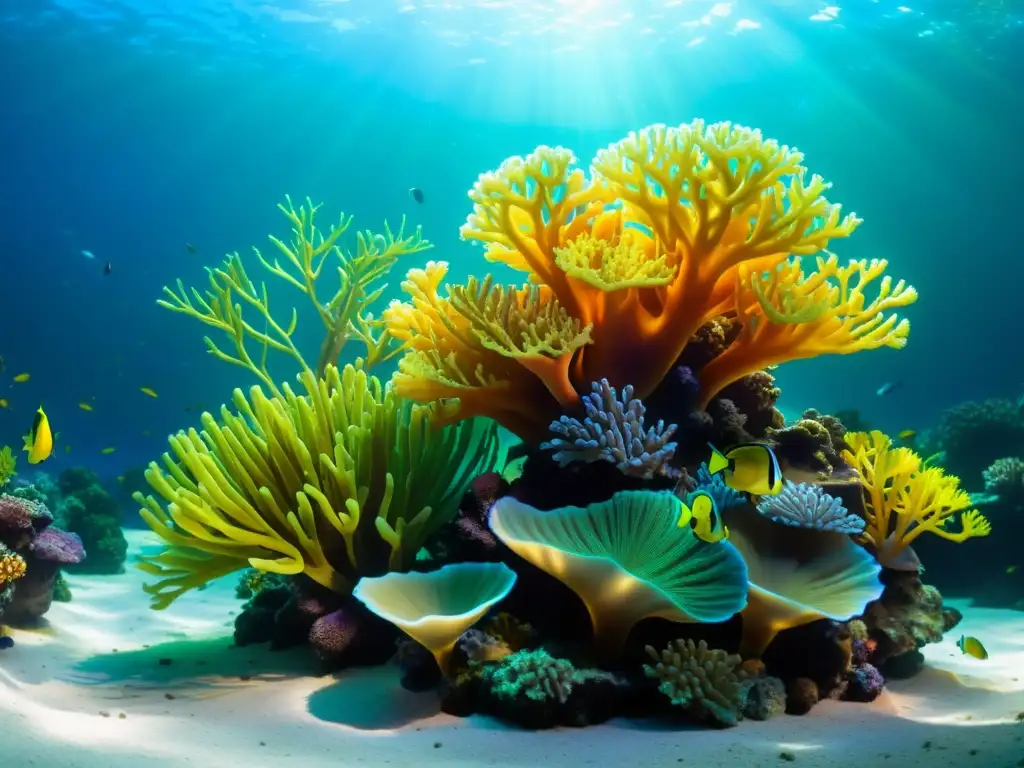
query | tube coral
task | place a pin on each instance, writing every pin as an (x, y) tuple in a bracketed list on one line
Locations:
[(675, 228), (343, 481), (904, 498)]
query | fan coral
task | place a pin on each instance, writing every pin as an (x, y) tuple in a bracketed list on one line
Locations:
[(904, 499), (613, 431), (707, 683), (627, 560), (676, 227), (723, 496), (344, 315), (341, 482), (808, 506), (1005, 478)]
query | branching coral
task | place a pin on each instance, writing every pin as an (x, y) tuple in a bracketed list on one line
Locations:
[(1005, 478), (344, 314), (904, 499), (707, 683), (808, 506), (675, 228), (786, 315), (342, 481), (613, 431)]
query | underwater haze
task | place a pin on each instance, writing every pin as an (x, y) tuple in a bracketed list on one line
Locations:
[(658, 371)]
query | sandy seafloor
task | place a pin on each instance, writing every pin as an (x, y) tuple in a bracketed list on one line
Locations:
[(91, 691)]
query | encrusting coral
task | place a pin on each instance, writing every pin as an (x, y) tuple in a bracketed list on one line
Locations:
[(904, 498), (342, 481), (675, 228)]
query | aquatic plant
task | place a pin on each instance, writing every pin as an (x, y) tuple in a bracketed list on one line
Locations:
[(436, 608), (8, 465), (806, 505), (613, 431), (345, 314), (675, 227), (627, 559), (344, 481), (904, 499), (707, 683)]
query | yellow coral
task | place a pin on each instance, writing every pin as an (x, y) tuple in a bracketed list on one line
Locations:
[(343, 481), (904, 498), (644, 253), (12, 567), (344, 315), (786, 315)]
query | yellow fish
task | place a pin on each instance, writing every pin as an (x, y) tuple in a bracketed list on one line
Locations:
[(4, 402), (108, 450), (907, 434), (85, 406), (703, 518), (21, 378), (148, 391), (749, 468), (39, 440), (972, 647)]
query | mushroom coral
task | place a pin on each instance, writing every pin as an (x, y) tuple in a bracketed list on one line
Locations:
[(627, 560), (674, 228), (343, 481), (798, 576), (435, 608), (904, 498)]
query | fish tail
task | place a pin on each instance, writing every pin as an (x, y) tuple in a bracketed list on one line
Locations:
[(718, 461)]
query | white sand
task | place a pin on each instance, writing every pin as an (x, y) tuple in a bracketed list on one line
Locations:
[(67, 699)]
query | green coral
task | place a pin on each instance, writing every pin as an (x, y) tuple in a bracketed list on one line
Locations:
[(61, 589), (535, 675), (344, 314), (706, 683), (7, 465), (88, 510)]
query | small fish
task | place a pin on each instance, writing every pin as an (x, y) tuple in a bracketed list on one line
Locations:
[(108, 451), (971, 646), (4, 402), (85, 406), (416, 194), (39, 440), (907, 434), (703, 518), (1011, 569), (749, 468), (190, 248), (89, 254), (67, 447), (21, 378), (148, 391), (888, 388), (108, 269)]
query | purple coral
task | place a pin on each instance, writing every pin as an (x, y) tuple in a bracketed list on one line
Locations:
[(334, 633), (19, 518), (613, 431), (56, 546), (865, 684)]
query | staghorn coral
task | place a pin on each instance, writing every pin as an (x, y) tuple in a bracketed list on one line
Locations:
[(342, 481), (808, 506), (1005, 478), (613, 431), (904, 499), (706, 683), (344, 315), (786, 315), (674, 230)]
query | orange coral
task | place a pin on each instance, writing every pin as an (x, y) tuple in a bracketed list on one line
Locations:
[(785, 315), (673, 229), (12, 568), (904, 498)]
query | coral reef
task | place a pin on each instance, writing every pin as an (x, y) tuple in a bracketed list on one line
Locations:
[(89, 511), (972, 435), (904, 499), (1005, 478), (815, 442), (32, 552)]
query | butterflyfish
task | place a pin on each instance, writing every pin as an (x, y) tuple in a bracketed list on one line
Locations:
[(749, 468), (39, 440), (971, 646), (703, 518)]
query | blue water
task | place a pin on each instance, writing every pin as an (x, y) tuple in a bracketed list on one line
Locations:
[(129, 129)]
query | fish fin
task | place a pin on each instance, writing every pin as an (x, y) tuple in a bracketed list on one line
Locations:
[(718, 461)]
